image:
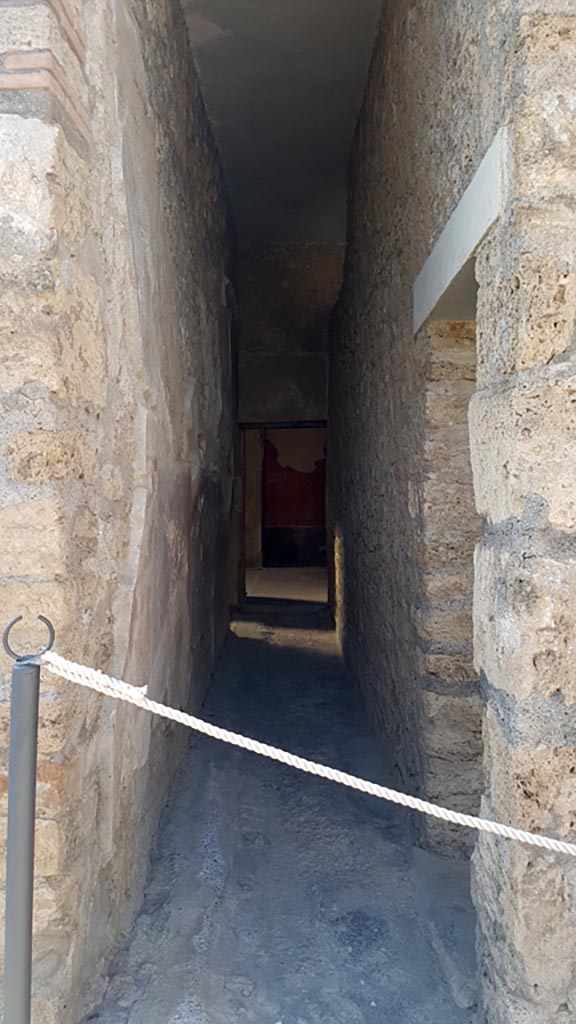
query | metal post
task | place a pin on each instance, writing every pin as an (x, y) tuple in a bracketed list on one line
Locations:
[(20, 845), (20, 848)]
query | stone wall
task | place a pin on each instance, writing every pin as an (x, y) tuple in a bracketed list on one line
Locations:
[(285, 296), (448, 527), (253, 461), (444, 78), (433, 104), (115, 468), (523, 432)]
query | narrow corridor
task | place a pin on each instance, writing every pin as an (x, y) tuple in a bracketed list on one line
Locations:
[(275, 898)]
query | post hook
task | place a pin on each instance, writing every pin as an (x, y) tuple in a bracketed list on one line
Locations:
[(26, 657)]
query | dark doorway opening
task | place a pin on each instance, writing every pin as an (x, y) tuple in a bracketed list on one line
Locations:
[(285, 506), (294, 497)]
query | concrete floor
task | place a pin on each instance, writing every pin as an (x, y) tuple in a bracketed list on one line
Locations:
[(276, 898)]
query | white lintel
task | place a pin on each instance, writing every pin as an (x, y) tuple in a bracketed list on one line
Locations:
[(478, 209)]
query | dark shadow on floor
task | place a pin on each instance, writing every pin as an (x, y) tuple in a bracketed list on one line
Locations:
[(291, 614), (276, 896)]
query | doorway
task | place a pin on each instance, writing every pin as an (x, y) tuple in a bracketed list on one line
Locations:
[(285, 511)]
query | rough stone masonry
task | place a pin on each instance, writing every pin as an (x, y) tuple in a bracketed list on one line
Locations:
[(445, 77), (452, 452), (117, 427)]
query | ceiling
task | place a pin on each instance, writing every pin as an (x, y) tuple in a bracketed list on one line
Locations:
[(283, 82)]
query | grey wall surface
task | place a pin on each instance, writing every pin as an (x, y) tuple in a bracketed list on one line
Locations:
[(285, 297), (283, 82)]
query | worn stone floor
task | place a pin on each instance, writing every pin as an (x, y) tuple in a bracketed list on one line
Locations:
[(301, 583), (277, 898)]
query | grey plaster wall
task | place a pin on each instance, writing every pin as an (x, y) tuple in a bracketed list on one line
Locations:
[(283, 82), (285, 297)]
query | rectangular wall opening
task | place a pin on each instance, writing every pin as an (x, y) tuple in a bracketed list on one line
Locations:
[(285, 511)]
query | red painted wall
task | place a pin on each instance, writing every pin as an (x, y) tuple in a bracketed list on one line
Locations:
[(291, 497)]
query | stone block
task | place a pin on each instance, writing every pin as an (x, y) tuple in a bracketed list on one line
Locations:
[(447, 403), (525, 622), (444, 444), (26, 356), (49, 910), (33, 539), (525, 901), (527, 295), (38, 456), (531, 787), (27, 149), (452, 730), (448, 498), (446, 839), (448, 550), (451, 668), (62, 713), (451, 351), (48, 848), (451, 624), (544, 141), (523, 446), (446, 584)]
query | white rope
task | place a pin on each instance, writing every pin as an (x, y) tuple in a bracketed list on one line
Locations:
[(110, 687)]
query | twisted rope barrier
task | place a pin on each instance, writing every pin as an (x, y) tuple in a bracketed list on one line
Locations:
[(108, 686)]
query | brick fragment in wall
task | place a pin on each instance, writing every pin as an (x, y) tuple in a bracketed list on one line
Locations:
[(69, 88), (47, 801), (43, 80), (70, 19), (49, 24)]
